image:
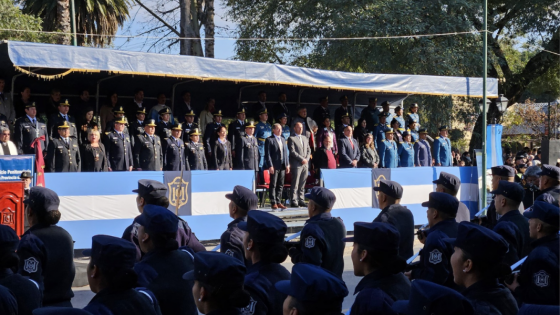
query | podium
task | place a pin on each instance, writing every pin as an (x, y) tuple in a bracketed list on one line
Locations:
[(11, 205)]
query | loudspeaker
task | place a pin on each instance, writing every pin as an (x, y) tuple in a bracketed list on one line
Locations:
[(550, 151)]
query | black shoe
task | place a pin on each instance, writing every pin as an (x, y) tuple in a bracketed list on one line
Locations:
[(302, 204), (293, 204)]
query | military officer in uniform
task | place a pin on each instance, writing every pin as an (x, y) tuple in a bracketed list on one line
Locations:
[(163, 128), (430, 298), (56, 119), (118, 113), (399, 117), (379, 129), (413, 129), (137, 126), (195, 152), (210, 135), (414, 115), (371, 114), (442, 148), (345, 120), (323, 110), (236, 130), (63, 154), (174, 151), (147, 149), (386, 110), (499, 173), (388, 151), (549, 183), (263, 131), (341, 111), (27, 129), (422, 150), (406, 151), (282, 120), (189, 125), (247, 157), (119, 148)]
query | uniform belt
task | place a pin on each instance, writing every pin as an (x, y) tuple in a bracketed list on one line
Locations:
[(261, 139)]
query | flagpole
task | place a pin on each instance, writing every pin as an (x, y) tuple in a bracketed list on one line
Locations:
[(484, 105)]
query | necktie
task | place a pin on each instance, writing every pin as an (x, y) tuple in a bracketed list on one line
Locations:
[(351, 143), (300, 141), (34, 123), (66, 140)]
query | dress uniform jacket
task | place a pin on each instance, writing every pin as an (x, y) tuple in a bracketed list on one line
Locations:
[(235, 130), (511, 234), (163, 129), (46, 255), (25, 132), (161, 272), (62, 156), (231, 241), (338, 113), (388, 154), (56, 120), (279, 109), (371, 115), (406, 154), (522, 224), (174, 155), (416, 118), (221, 155), (195, 156), (321, 113), (259, 282), (247, 153), (321, 243), (119, 151), (490, 294), (94, 159), (111, 126), (136, 128), (442, 151), (400, 119), (378, 135), (25, 291), (401, 218), (376, 286), (187, 130), (414, 136), (347, 153), (147, 153), (210, 136), (551, 192), (123, 302), (491, 216), (286, 132), (262, 132), (538, 277), (422, 153)]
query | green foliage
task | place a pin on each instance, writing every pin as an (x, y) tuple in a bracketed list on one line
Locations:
[(12, 18)]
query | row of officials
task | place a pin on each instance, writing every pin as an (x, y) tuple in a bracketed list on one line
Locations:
[(158, 266)]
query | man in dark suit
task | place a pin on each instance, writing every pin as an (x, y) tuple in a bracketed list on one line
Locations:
[(276, 161), (348, 150), (56, 120), (118, 147), (174, 151), (259, 106), (281, 108), (147, 149), (236, 129), (195, 152), (300, 153), (247, 156), (322, 111), (63, 154)]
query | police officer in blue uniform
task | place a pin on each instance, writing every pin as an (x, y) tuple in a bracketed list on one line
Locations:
[(313, 290), (118, 147), (282, 120), (242, 200), (56, 119), (25, 291), (210, 135), (549, 183), (375, 258), (537, 281), (321, 238), (27, 129), (388, 151), (195, 152), (163, 127), (478, 265), (147, 149), (442, 148), (406, 151), (118, 113), (422, 150), (247, 157), (399, 117), (379, 129), (111, 277), (174, 151), (163, 264), (46, 251), (429, 298), (499, 173), (8, 303), (189, 125), (137, 126), (63, 153), (413, 129), (371, 114), (263, 243), (236, 129), (434, 263), (262, 132), (218, 284), (414, 115)]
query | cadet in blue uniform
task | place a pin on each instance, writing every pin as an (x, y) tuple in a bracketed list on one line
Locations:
[(386, 111), (118, 148), (63, 153), (25, 291), (379, 129), (282, 120), (413, 129), (236, 129), (399, 117), (430, 298), (388, 154), (442, 148), (451, 184), (414, 115), (218, 284), (247, 156), (406, 151), (242, 200), (111, 277), (549, 183), (46, 251), (499, 173), (434, 263), (537, 281), (147, 149), (27, 129), (321, 238), (263, 243), (312, 290), (174, 151), (262, 132), (370, 114), (422, 150), (195, 152), (375, 258), (477, 265), (163, 265)]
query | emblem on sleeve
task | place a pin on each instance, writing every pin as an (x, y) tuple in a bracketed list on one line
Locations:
[(229, 252), (541, 279), (435, 257), (249, 309), (30, 265), (310, 242)]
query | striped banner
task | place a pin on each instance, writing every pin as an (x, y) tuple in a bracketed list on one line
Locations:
[(494, 146)]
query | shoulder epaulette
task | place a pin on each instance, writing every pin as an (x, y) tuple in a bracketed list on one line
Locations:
[(401, 142), (107, 133), (437, 138)]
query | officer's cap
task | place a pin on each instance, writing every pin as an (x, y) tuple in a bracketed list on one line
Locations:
[(311, 284), (141, 110), (390, 188), (372, 99), (52, 310), (113, 252), (414, 105), (264, 111), (397, 108), (345, 115), (544, 211), (433, 299), (389, 130), (444, 127), (264, 227), (65, 103), (503, 170), (550, 171), (442, 202), (385, 103), (118, 110), (25, 175), (383, 114), (158, 219), (250, 124), (423, 130), (8, 239), (282, 115), (483, 244), (218, 113), (177, 127), (218, 270), (241, 110), (532, 171), (194, 132), (343, 98), (448, 181), (151, 123), (42, 199), (191, 113), (411, 121), (512, 191), (322, 196), (63, 125), (406, 133), (121, 120), (380, 236), (30, 105), (164, 110), (150, 187), (243, 197)]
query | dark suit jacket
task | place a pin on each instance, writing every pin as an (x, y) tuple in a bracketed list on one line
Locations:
[(222, 159), (88, 156), (62, 157), (272, 153), (346, 154), (247, 154), (147, 155)]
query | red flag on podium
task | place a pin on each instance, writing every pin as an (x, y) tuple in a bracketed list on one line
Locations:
[(39, 161)]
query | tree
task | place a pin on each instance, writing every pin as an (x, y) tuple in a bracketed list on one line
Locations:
[(12, 18), (99, 20)]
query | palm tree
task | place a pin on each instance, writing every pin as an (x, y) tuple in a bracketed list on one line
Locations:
[(99, 20)]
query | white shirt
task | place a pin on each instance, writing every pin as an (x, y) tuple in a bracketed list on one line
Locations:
[(280, 145), (33, 120)]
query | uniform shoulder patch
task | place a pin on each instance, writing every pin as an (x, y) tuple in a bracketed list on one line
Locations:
[(250, 308), (541, 279), (229, 252), (30, 265), (435, 257), (309, 242)]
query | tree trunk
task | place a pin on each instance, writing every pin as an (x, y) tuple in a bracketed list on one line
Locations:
[(209, 29), (63, 21), (196, 7), (185, 44)]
